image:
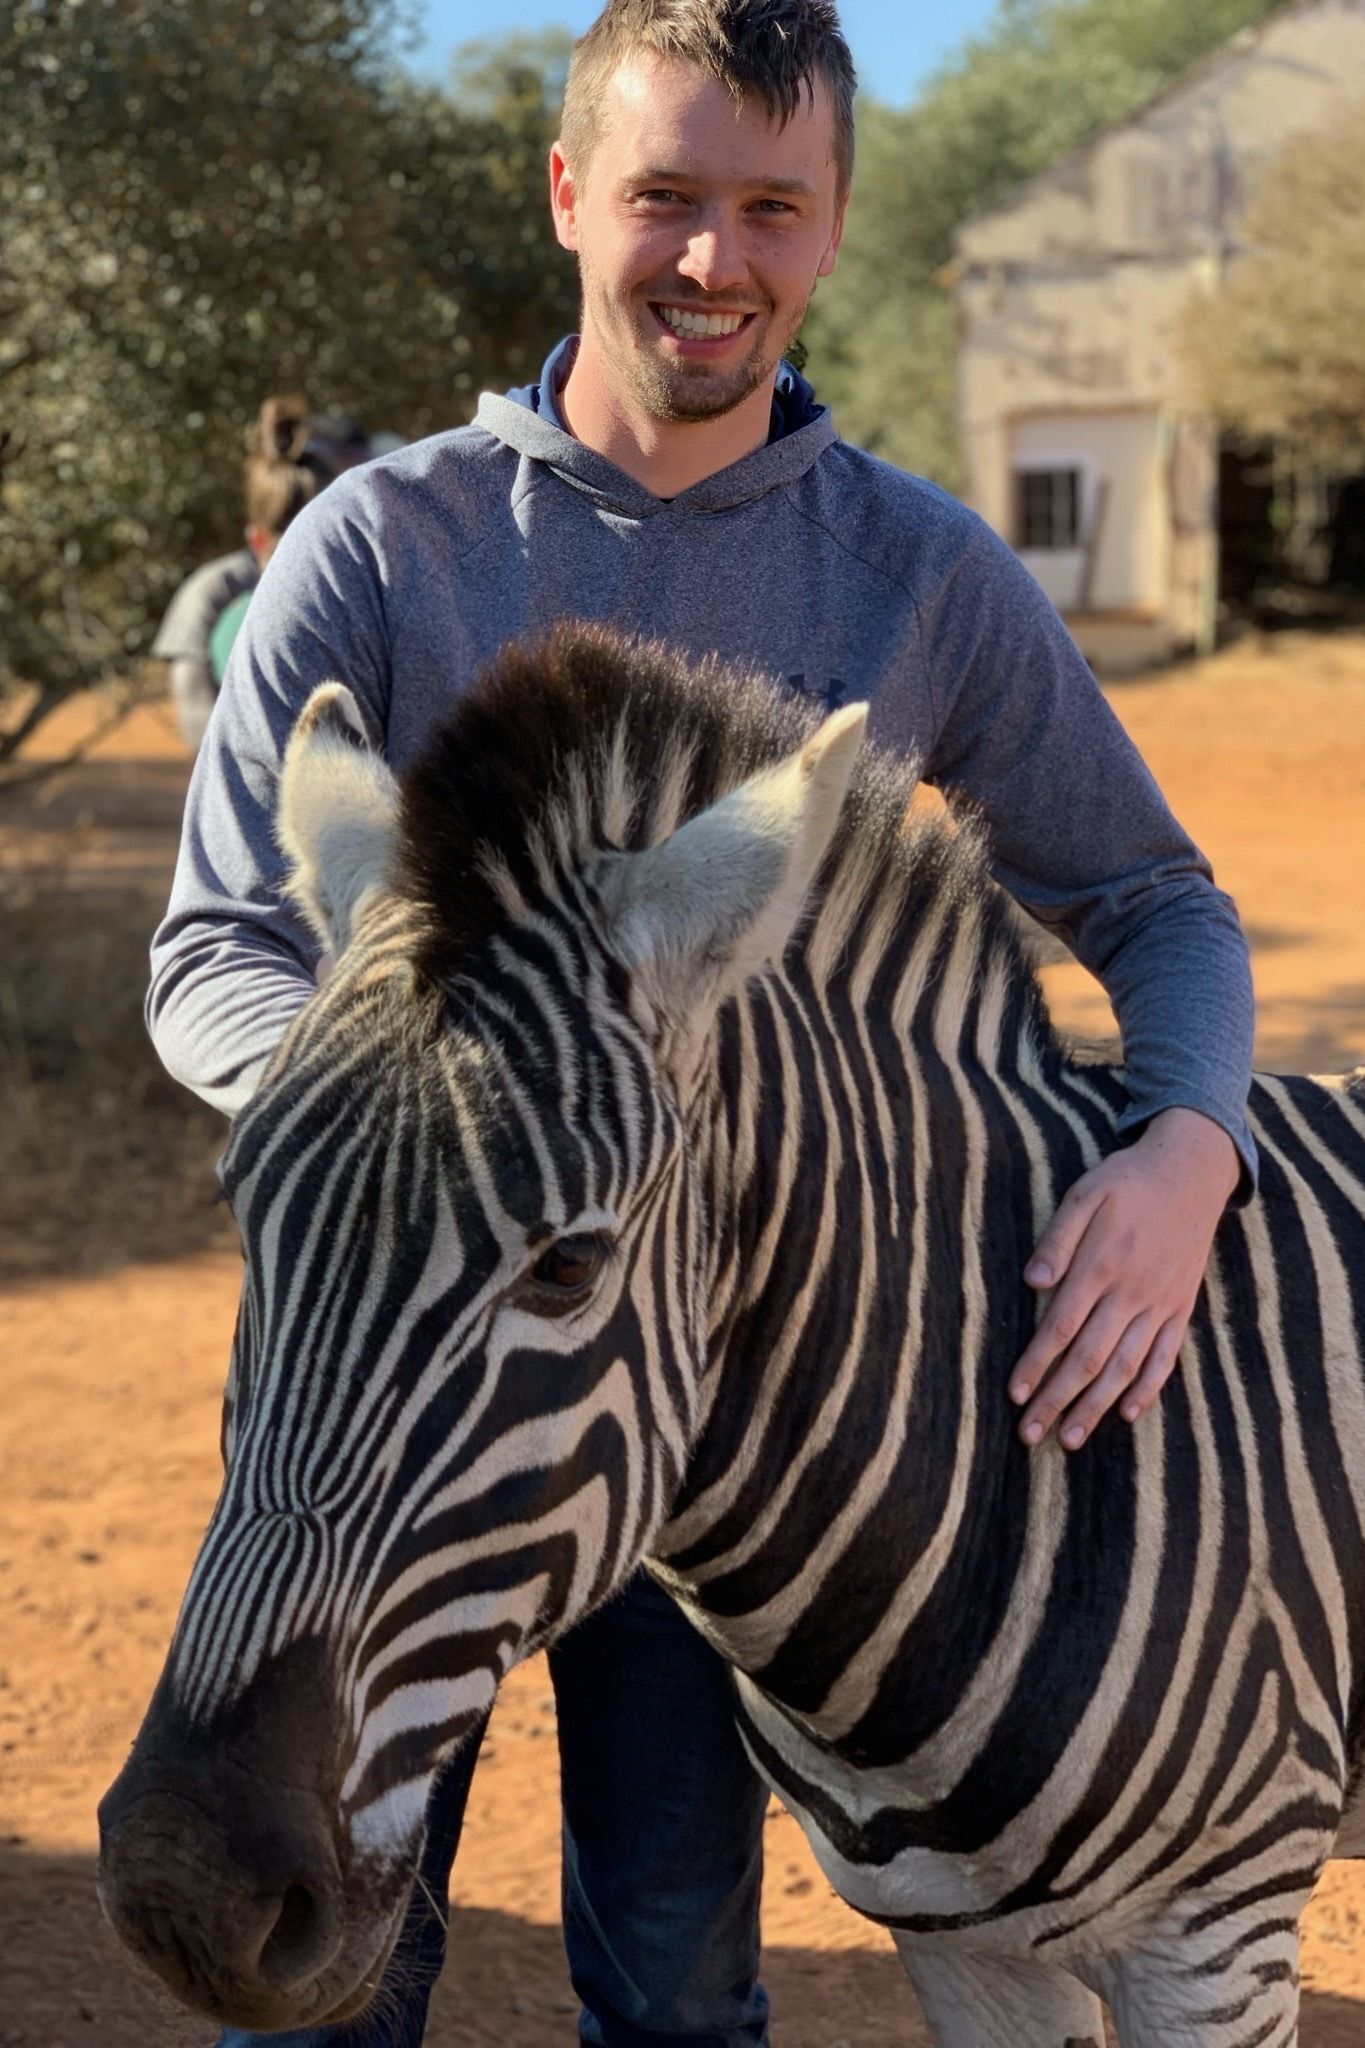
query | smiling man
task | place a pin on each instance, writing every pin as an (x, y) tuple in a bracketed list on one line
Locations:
[(700, 226), (671, 474)]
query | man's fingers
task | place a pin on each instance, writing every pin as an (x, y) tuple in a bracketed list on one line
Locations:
[(1122, 1261), (1056, 1248), (1125, 1363), (1159, 1366), (1083, 1362), (1059, 1326), (1067, 1314)]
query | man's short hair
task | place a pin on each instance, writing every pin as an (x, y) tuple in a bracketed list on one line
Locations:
[(772, 49)]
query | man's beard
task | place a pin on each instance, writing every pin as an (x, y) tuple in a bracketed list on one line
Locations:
[(676, 390)]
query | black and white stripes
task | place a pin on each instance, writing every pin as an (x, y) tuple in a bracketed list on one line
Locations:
[(1074, 1728)]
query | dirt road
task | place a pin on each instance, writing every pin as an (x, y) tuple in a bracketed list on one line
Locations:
[(112, 1377)]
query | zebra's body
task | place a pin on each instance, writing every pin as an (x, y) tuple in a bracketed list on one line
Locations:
[(1214, 1690), (1069, 1726)]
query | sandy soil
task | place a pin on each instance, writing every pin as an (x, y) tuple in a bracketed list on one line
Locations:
[(112, 1380)]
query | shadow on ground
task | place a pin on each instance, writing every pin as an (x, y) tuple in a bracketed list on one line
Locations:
[(1319, 1034), (141, 800), (68, 1984)]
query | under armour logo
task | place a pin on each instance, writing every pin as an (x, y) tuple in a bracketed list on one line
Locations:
[(833, 695)]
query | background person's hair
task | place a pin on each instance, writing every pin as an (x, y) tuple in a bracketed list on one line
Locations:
[(772, 50), (282, 473), (290, 454)]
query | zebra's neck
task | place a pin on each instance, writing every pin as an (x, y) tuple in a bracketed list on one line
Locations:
[(872, 1106)]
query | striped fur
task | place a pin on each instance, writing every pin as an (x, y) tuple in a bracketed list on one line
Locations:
[(1074, 1728)]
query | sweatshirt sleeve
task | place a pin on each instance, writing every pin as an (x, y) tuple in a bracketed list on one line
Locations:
[(232, 961), (1082, 837)]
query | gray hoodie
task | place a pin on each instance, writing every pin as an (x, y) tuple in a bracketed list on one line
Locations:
[(843, 577)]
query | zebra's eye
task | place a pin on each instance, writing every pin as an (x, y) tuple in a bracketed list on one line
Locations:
[(570, 1264)]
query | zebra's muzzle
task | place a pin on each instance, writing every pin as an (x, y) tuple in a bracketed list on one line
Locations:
[(245, 1924), (224, 1863)]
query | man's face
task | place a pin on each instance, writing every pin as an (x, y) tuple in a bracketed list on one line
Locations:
[(690, 210)]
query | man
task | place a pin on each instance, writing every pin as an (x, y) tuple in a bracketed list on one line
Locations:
[(669, 474)]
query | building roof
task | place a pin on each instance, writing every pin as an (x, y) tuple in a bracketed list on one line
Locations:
[(1226, 54)]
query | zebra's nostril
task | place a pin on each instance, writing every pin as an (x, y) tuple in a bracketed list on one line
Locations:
[(300, 1940)]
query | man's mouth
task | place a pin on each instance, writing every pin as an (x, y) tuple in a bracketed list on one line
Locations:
[(693, 328)]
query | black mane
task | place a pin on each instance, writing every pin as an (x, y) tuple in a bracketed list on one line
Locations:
[(543, 717)]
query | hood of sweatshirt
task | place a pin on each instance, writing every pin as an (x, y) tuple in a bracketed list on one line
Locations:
[(528, 420)]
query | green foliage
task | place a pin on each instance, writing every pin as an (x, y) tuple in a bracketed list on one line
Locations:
[(1047, 75), (206, 203), (1280, 354)]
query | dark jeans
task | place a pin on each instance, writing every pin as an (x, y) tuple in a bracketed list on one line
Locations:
[(663, 1849)]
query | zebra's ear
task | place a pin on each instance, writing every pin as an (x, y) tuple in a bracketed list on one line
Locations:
[(337, 816), (696, 915)]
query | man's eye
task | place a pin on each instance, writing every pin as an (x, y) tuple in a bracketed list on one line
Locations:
[(570, 1264)]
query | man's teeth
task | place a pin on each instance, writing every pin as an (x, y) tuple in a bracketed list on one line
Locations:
[(701, 323)]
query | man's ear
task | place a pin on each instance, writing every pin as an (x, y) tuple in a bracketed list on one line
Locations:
[(695, 916), (563, 198), (337, 815), (828, 260)]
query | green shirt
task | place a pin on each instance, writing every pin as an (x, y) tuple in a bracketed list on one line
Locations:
[(225, 629)]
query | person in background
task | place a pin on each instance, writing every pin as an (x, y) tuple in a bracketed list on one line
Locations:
[(291, 455)]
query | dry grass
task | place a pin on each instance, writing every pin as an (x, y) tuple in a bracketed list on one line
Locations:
[(103, 1157)]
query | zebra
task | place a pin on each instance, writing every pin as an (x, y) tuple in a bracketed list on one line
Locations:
[(652, 1179)]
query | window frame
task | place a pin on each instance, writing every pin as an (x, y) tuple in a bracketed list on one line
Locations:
[(1056, 535)]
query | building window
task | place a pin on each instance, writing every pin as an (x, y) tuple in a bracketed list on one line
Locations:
[(1049, 508)]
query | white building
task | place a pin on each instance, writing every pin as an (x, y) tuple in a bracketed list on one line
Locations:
[(1078, 443)]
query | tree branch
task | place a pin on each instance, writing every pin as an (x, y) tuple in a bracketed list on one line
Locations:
[(36, 771), (42, 706)]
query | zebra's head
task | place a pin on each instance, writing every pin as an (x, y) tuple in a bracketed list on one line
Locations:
[(475, 1314)]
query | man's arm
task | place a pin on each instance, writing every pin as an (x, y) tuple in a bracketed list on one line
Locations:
[(233, 963), (1082, 837)]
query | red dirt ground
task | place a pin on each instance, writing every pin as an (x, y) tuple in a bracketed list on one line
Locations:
[(108, 1429)]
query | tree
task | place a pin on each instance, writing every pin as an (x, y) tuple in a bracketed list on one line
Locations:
[(206, 203), (1278, 351), (1047, 75), (477, 156)]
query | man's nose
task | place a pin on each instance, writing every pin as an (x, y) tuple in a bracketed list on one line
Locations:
[(713, 259)]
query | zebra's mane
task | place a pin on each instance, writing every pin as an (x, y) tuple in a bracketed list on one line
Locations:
[(588, 738)]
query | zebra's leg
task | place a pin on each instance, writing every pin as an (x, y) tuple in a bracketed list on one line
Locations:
[(1235, 1985), (1001, 2001)]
